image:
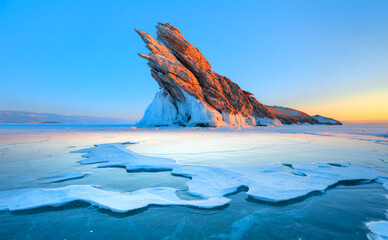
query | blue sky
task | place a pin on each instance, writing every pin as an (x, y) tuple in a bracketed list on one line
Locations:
[(80, 57)]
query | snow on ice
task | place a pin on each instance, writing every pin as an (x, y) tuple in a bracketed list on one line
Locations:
[(117, 202), (270, 183)]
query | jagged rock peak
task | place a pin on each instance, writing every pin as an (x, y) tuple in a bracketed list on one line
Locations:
[(191, 93)]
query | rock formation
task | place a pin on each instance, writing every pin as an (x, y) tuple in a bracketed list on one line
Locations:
[(291, 116), (193, 95), (326, 120)]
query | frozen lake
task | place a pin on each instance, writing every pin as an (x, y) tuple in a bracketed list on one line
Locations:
[(43, 156)]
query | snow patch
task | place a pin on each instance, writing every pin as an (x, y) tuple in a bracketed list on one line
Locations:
[(207, 181), (24, 199), (324, 120), (116, 155), (378, 230)]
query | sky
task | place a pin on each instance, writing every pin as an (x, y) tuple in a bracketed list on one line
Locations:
[(79, 57)]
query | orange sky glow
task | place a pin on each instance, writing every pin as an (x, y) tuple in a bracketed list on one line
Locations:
[(370, 104)]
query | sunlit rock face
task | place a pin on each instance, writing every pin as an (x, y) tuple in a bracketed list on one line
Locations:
[(192, 94)]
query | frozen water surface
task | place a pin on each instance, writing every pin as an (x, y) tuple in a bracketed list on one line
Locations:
[(218, 161)]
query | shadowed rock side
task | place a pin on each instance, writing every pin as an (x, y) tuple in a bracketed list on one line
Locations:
[(192, 94)]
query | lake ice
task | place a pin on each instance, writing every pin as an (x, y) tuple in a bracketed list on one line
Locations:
[(294, 182)]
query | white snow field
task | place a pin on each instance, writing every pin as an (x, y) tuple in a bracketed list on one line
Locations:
[(324, 119), (283, 172)]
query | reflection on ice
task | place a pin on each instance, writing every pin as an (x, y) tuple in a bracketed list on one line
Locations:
[(116, 155)]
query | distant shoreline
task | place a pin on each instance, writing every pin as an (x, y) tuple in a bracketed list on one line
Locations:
[(377, 123)]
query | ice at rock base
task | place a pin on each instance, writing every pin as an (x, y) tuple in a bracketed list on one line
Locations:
[(164, 111)]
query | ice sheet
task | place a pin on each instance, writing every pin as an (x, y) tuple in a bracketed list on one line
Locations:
[(268, 182)]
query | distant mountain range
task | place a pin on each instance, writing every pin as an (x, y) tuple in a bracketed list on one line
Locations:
[(32, 117)]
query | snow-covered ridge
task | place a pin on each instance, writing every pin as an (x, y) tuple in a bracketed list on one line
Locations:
[(326, 120), (117, 202), (116, 155), (288, 111)]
